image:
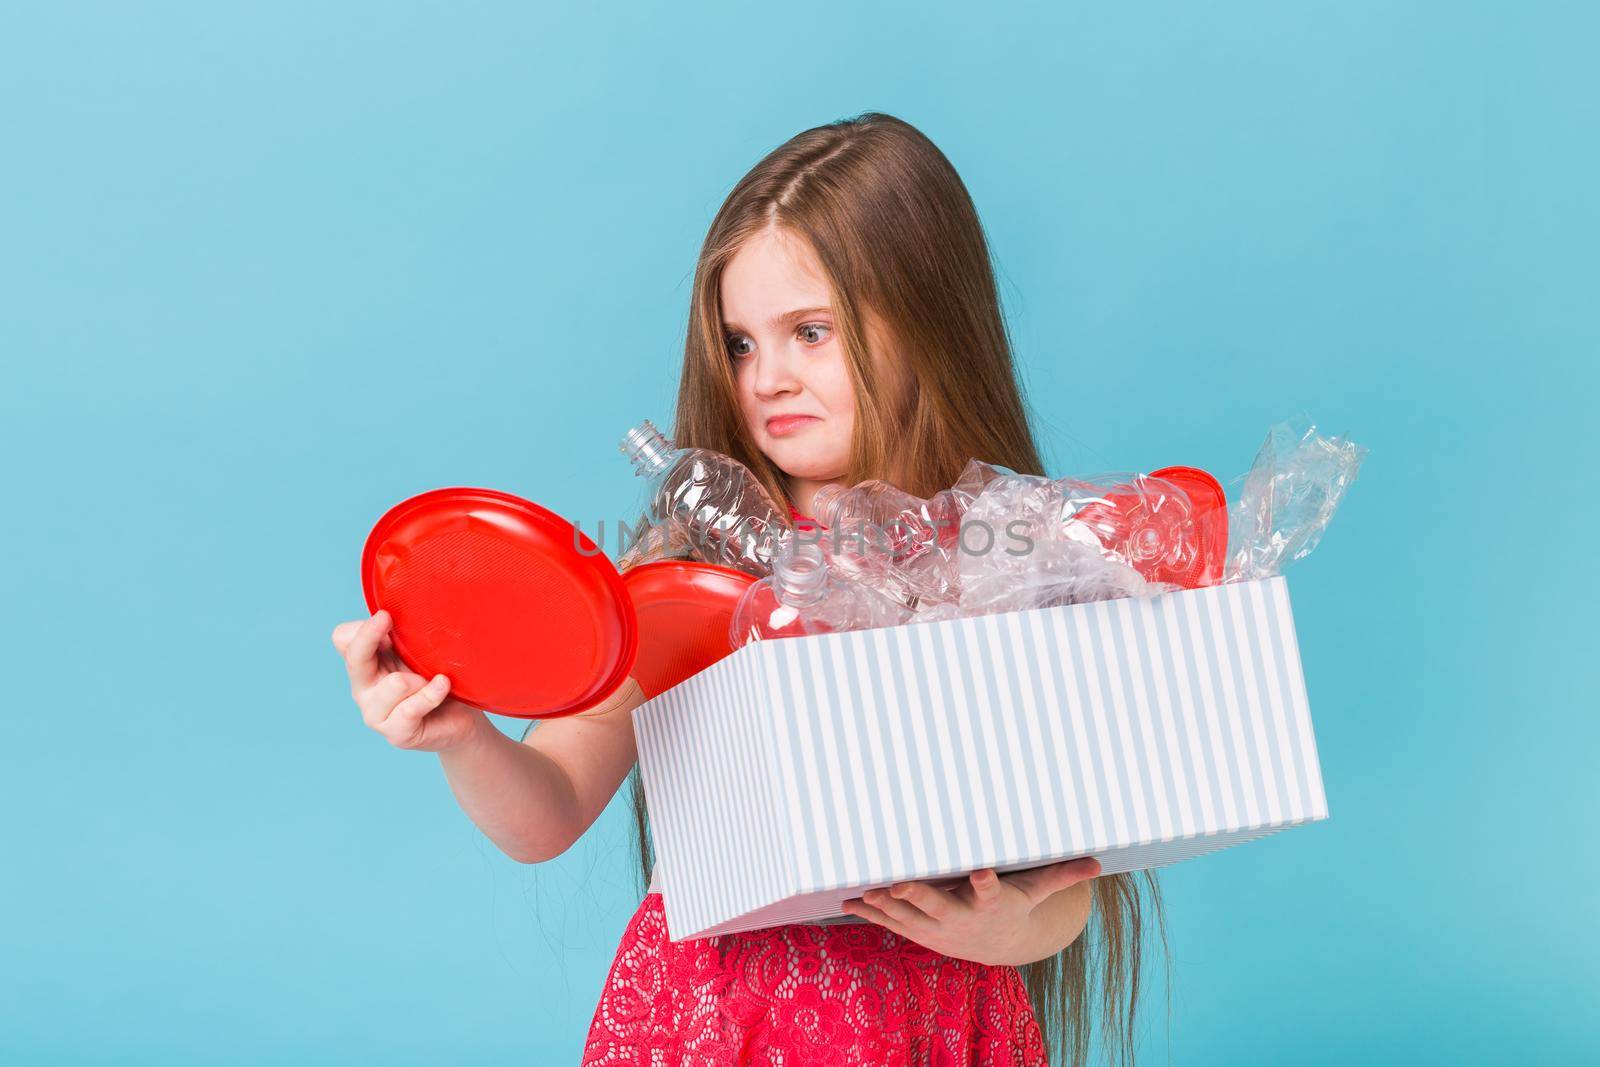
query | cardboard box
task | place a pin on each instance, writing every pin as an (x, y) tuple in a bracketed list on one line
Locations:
[(800, 772)]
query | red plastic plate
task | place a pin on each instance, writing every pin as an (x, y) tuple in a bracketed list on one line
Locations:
[(684, 609), (493, 591)]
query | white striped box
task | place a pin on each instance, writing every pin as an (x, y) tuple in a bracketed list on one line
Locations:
[(797, 773)]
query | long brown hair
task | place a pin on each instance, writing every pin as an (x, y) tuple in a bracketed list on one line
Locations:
[(901, 245)]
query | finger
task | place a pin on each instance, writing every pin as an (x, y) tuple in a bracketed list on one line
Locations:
[(1041, 882), (902, 912), (379, 699), (405, 722), (386, 658), (361, 655), (1044, 881), (985, 889), (936, 904), (874, 915), (343, 633)]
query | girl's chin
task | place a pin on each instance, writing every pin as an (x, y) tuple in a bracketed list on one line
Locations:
[(808, 469), (804, 458)]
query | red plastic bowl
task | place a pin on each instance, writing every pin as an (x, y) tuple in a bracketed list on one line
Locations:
[(684, 609)]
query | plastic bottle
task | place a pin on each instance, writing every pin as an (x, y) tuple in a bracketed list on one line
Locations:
[(726, 515), (907, 546), (801, 596), (1143, 520)]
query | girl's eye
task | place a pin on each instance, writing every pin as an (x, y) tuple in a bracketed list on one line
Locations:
[(814, 327), (733, 341)]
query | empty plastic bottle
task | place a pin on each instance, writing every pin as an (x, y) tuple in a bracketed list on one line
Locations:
[(908, 546), (801, 596), (1146, 521), (727, 515)]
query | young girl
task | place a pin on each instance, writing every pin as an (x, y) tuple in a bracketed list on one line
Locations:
[(844, 326)]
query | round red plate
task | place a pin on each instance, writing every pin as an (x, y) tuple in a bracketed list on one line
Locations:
[(684, 608), (493, 591)]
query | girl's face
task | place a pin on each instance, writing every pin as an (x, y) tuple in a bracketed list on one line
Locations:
[(794, 386)]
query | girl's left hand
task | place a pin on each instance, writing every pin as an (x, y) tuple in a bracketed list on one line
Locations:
[(986, 918)]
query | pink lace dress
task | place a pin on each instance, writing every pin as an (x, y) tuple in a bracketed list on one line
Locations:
[(833, 995), (836, 995)]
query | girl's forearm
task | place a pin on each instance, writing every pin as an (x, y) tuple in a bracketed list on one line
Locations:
[(519, 797)]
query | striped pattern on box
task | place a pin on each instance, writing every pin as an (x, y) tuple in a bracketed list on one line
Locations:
[(798, 772)]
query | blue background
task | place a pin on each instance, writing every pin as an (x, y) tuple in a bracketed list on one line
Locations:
[(265, 272)]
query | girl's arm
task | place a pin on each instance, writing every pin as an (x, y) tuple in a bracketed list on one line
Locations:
[(534, 798)]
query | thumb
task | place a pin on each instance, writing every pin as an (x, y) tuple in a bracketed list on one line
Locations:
[(1041, 882)]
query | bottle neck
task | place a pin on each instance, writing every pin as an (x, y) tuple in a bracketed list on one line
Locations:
[(649, 449), (800, 572)]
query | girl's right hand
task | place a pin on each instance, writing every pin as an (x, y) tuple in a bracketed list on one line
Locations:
[(410, 711)]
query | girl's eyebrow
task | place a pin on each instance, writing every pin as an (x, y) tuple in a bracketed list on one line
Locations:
[(785, 317)]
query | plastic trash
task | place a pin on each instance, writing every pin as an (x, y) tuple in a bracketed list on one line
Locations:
[(907, 546), (1288, 498), (1031, 542), (803, 596), (704, 501)]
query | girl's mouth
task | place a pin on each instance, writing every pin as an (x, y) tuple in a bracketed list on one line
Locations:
[(780, 425)]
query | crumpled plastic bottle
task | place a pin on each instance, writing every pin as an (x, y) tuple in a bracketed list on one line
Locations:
[(1288, 498), (923, 550), (1142, 520), (908, 546), (802, 596), (705, 502), (1052, 542)]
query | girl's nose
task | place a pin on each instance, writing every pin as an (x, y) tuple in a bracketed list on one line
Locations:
[(775, 373)]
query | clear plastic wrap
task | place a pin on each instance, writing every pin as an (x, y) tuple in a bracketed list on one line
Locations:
[(1288, 498), (803, 596), (704, 501)]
